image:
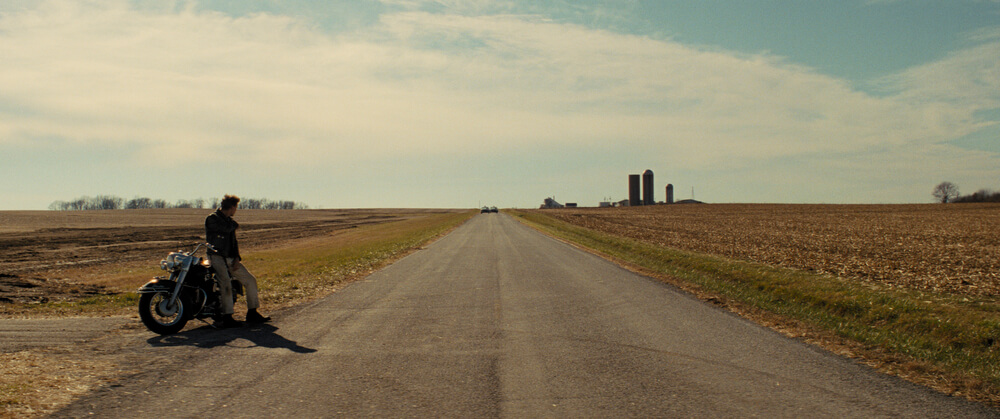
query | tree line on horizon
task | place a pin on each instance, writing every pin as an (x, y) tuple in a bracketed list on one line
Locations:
[(111, 202), (947, 192), (982, 195)]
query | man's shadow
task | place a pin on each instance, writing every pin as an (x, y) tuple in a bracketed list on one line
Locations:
[(262, 335)]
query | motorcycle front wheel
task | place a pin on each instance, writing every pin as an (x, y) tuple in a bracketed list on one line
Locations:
[(159, 316)]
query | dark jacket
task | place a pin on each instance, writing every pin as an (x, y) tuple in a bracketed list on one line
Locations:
[(220, 232)]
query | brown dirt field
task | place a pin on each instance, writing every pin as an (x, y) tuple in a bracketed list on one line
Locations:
[(66, 255), (952, 248)]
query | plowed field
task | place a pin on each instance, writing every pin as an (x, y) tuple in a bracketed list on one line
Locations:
[(64, 255), (951, 248)]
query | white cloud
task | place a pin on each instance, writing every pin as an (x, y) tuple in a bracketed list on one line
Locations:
[(267, 88), (965, 79)]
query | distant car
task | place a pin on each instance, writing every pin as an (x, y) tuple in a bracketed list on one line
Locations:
[(484, 210), (494, 209)]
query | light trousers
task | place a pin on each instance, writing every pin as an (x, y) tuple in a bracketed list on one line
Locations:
[(226, 277)]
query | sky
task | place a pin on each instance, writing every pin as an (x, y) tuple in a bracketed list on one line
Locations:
[(460, 104)]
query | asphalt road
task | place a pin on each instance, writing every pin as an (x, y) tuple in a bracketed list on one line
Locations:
[(497, 320)]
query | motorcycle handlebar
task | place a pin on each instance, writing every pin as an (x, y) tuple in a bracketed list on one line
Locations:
[(207, 245)]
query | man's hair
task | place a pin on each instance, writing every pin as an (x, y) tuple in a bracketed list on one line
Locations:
[(230, 201)]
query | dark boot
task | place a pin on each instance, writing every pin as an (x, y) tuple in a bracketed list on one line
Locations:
[(228, 322), (254, 317)]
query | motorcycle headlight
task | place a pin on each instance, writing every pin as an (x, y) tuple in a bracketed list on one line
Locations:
[(171, 263)]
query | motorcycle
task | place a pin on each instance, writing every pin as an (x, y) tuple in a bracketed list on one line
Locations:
[(191, 291)]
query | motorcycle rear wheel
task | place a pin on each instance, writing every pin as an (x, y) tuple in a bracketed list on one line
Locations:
[(158, 317)]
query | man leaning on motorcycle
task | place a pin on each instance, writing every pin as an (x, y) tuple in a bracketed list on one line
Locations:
[(220, 232)]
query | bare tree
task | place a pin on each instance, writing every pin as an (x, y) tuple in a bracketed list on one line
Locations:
[(139, 203), (79, 204), (106, 202), (945, 192)]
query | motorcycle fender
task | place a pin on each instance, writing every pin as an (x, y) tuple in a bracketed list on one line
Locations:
[(158, 285)]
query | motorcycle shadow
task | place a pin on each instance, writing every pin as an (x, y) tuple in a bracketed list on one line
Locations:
[(262, 335)]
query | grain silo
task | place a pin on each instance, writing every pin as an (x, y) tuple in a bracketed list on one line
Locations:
[(647, 188), (633, 191), (670, 193)]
